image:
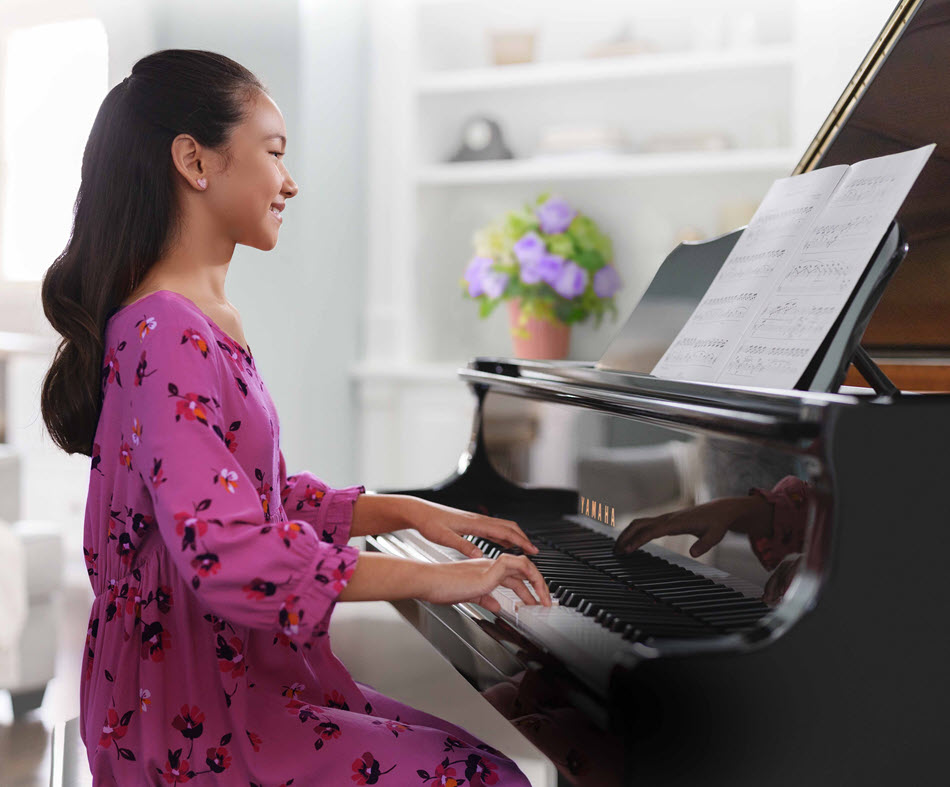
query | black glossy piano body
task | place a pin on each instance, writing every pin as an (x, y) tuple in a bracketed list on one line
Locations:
[(844, 682)]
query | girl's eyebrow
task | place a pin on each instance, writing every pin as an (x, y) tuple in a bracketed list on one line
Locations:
[(281, 137)]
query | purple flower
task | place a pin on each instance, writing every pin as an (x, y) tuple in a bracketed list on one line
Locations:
[(494, 283), (546, 268), (606, 281), (571, 281), (529, 248), (555, 215), (475, 275)]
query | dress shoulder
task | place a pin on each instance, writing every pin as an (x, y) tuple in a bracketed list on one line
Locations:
[(141, 336), (134, 318)]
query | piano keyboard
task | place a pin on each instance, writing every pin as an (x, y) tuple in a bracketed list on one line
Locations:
[(640, 596), (604, 601)]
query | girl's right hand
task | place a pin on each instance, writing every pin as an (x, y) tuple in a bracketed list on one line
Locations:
[(473, 581)]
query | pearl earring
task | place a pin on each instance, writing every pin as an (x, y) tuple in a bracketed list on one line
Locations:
[(203, 183)]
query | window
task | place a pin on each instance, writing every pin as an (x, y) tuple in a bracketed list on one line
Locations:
[(54, 78)]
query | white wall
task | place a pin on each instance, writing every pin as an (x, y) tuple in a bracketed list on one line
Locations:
[(301, 301), (840, 33)]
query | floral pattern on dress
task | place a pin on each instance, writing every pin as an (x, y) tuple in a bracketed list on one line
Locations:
[(215, 574)]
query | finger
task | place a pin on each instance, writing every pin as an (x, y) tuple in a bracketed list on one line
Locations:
[(507, 532), (706, 541), (520, 589), (464, 546), (490, 603), (672, 525), (529, 570), (628, 540), (639, 532)]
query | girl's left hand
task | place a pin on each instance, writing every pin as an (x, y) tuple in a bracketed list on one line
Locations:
[(446, 526)]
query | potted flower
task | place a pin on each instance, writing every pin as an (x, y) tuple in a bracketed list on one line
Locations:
[(554, 267)]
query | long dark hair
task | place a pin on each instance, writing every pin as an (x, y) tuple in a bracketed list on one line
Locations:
[(127, 214)]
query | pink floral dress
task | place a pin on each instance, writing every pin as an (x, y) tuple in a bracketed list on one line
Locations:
[(215, 574)]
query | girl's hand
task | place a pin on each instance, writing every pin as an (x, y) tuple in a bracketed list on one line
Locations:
[(474, 580), (444, 525)]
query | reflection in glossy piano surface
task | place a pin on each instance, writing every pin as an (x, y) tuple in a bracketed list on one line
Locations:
[(841, 677)]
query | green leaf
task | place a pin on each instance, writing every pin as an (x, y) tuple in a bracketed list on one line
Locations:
[(518, 223), (590, 260), (487, 306), (588, 237), (561, 245)]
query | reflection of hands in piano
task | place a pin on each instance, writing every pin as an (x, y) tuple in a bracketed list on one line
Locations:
[(445, 525), (774, 520), (709, 522)]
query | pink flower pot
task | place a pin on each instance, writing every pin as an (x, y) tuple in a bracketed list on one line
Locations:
[(545, 340)]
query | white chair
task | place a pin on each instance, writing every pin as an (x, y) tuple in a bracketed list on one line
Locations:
[(31, 554)]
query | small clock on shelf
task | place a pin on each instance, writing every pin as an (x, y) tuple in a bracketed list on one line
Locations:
[(482, 140)]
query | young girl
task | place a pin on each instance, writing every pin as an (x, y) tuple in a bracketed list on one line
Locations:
[(215, 573)]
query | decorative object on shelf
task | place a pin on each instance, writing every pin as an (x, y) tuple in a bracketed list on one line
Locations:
[(555, 267), (511, 46), (570, 140), (533, 337), (621, 44), (482, 140)]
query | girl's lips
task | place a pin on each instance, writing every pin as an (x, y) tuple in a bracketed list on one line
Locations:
[(279, 218)]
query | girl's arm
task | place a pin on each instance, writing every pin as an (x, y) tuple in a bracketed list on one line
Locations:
[(375, 514), (441, 524)]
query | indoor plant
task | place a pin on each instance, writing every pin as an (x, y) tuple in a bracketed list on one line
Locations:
[(553, 265)]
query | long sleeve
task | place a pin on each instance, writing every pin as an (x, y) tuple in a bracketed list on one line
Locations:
[(329, 511), (244, 566), (791, 499)]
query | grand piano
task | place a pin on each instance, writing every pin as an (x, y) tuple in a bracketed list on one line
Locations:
[(844, 680)]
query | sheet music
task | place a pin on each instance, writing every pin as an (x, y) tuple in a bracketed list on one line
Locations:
[(791, 273)]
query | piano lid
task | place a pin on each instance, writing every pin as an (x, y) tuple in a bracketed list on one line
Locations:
[(899, 99)]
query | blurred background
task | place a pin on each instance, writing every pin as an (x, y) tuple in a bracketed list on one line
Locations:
[(411, 124)]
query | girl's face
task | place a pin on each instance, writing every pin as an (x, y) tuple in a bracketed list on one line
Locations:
[(243, 195)]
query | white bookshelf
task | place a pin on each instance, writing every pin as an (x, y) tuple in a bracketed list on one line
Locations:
[(763, 93), (608, 167)]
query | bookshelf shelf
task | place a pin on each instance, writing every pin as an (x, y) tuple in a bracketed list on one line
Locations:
[(619, 69), (608, 167)]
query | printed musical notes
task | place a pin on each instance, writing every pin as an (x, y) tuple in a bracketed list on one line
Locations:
[(791, 272), (839, 235), (792, 319), (821, 274), (728, 308), (755, 360), (697, 351)]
